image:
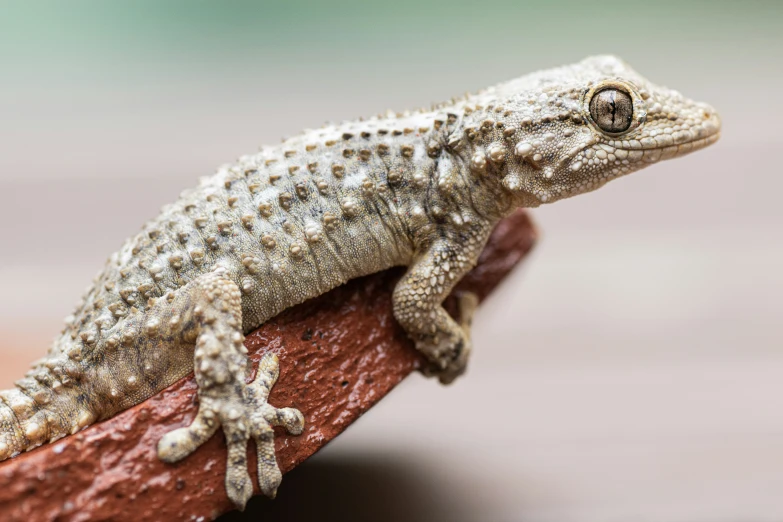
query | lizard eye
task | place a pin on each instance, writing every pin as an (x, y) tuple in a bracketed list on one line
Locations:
[(612, 110)]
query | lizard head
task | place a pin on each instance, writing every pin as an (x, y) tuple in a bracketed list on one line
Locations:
[(569, 130)]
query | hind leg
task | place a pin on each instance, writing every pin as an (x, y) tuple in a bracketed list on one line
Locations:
[(225, 400)]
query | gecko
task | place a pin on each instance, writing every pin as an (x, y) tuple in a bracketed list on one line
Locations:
[(420, 189)]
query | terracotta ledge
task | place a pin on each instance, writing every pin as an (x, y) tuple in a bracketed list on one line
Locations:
[(339, 354)]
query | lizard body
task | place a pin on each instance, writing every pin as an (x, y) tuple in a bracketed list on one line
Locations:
[(276, 228)]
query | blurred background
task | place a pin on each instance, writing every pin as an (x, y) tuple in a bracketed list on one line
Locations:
[(632, 368)]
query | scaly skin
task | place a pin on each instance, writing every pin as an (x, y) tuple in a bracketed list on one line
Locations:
[(293, 221)]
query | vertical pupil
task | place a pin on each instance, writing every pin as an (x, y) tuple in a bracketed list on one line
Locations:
[(612, 110), (612, 105)]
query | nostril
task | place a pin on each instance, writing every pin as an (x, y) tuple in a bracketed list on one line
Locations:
[(711, 122)]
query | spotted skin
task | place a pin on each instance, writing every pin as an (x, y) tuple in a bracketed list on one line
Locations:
[(276, 228)]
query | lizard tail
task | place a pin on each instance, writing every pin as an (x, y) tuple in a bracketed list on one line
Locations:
[(39, 409)]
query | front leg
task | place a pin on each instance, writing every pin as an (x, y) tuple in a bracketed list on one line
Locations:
[(418, 299), (212, 305)]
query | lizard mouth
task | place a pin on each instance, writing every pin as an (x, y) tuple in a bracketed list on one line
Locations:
[(672, 151), (677, 144)]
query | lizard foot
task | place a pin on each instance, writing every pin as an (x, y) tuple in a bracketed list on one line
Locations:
[(452, 350), (243, 412)]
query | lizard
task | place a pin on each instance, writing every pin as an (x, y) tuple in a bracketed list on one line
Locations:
[(421, 189)]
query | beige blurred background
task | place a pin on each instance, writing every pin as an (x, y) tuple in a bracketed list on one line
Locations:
[(632, 368)]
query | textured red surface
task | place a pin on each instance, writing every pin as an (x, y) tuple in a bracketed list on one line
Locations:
[(339, 354)]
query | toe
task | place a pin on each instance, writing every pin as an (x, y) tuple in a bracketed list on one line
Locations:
[(174, 446), (268, 371), (239, 486), (269, 475), (468, 302), (290, 418), (179, 443)]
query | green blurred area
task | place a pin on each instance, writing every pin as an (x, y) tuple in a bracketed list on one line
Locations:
[(123, 41)]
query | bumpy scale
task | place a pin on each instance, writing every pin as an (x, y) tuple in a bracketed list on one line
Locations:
[(419, 189)]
